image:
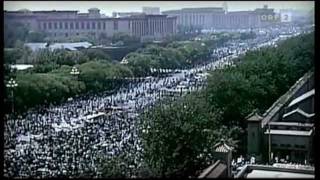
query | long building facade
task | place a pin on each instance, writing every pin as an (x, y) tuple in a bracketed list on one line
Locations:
[(72, 23), (220, 18)]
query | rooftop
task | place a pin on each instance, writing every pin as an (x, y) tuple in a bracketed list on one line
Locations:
[(292, 124), (302, 97), (277, 174), (298, 110), (289, 132), (276, 106), (268, 171), (21, 66), (213, 171), (222, 147)]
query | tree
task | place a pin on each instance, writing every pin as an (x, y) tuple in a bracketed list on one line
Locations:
[(96, 54), (14, 31), (174, 139), (36, 36)]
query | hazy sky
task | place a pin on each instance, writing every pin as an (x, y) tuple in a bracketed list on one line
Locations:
[(107, 7)]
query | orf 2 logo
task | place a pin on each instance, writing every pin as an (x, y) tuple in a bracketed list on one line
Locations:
[(286, 17)]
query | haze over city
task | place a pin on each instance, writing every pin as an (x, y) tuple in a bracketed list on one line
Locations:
[(130, 6)]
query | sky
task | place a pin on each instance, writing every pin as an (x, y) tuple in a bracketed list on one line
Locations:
[(107, 7)]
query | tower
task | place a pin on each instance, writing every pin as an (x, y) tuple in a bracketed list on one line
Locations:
[(225, 7)]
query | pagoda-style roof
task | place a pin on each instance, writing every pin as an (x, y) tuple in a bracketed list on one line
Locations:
[(254, 116), (222, 147)]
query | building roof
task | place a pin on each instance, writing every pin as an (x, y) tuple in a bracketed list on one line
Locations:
[(276, 106), (213, 171), (289, 132), (291, 124), (70, 46), (36, 46), (222, 147), (298, 110), (254, 116), (94, 9), (277, 174), (204, 9), (302, 97), (21, 66), (267, 171)]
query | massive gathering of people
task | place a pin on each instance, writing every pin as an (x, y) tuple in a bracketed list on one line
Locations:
[(73, 139)]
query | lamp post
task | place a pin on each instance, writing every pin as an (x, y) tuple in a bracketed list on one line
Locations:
[(12, 84), (75, 72)]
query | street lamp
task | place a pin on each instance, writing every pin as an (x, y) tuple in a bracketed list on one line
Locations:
[(12, 84), (75, 72)]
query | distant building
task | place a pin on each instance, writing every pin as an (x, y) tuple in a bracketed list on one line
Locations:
[(151, 10), (125, 14), (285, 132), (21, 67), (71, 23), (221, 18)]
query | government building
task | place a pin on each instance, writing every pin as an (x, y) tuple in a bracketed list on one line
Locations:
[(71, 23), (220, 18)]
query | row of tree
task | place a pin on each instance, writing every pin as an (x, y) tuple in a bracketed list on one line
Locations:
[(174, 56), (58, 85), (178, 136), (94, 65)]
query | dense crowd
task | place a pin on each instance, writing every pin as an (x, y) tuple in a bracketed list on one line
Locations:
[(73, 139)]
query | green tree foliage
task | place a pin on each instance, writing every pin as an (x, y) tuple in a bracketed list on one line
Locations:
[(58, 85), (17, 31), (11, 56), (173, 56), (176, 137), (14, 31), (96, 54), (39, 88), (36, 36), (250, 35), (125, 38)]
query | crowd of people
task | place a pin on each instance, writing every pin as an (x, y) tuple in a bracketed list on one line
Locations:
[(73, 139)]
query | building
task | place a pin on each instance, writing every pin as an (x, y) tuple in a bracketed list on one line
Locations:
[(221, 18), (285, 132), (71, 23), (125, 14), (265, 171), (221, 166), (151, 10)]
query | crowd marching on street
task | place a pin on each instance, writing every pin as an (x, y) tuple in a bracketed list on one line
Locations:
[(72, 139)]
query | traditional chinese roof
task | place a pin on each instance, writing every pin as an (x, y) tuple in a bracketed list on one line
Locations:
[(222, 147), (301, 112), (302, 97)]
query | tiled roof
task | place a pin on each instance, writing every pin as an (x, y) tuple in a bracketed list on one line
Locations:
[(298, 110), (276, 106), (222, 147), (291, 124), (254, 117), (289, 132), (302, 97)]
